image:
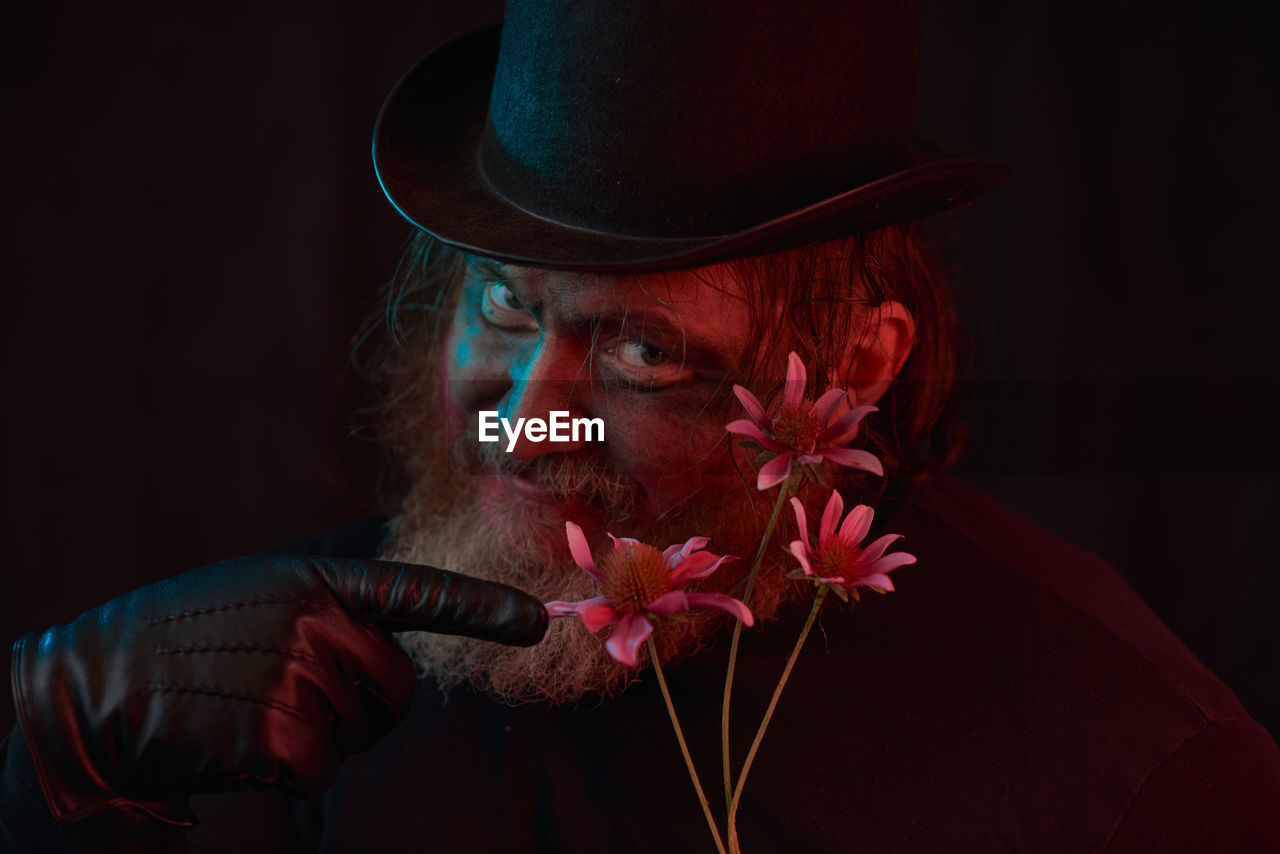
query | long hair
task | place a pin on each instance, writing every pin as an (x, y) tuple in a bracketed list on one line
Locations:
[(821, 294)]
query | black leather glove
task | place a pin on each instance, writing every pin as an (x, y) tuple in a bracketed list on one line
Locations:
[(253, 672)]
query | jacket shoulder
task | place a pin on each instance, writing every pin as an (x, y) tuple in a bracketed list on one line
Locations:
[(1081, 582)]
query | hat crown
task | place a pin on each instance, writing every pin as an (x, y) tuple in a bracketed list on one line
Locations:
[(672, 118)]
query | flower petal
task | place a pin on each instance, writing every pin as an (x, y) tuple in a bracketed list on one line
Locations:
[(626, 638), (697, 565), (693, 544), (669, 603), (854, 459), (877, 582), (801, 521), (751, 403), (872, 552), (845, 427), (743, 427), (827, 404), (889, 563), (856, 525), (831, 516), (619, 542), (678, 552), (774, 472), (561, 608), (597, 613), (797, 379), (801, 552), (724, 603), (580, 550)]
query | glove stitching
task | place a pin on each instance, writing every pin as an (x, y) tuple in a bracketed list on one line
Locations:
[(211, 691), (195, 612), (196, 649)]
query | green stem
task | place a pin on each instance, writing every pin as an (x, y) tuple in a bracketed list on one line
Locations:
[(768, 716), (684, 748), (733, 647)]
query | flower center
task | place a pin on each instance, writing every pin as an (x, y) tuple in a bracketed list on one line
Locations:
[(634, 575), (834, 557), (795, 426)]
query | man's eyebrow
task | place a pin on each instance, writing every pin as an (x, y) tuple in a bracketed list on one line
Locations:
[(499, 271), (488, 266)]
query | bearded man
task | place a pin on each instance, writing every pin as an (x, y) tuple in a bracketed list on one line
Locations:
[(623, 215), (653, 355)]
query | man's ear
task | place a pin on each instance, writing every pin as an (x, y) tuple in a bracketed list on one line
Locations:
[(878, 350)]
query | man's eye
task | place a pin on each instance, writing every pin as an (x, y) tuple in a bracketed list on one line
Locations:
[(501, 294), (643, 364), (638, 354), (502, 308)]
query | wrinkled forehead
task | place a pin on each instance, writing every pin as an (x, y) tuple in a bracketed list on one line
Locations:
[(706, 306)]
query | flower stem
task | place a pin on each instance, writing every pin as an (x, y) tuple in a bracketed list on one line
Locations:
[(768, 716), (733, 647), (684, 748)]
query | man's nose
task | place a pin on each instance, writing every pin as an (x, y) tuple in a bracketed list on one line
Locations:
[(554, 379)]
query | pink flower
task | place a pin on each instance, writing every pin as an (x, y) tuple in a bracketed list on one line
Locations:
[(802, 431), (840, 560), (639, 580)]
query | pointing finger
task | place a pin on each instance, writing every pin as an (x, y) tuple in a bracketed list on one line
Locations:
[(409, 597)]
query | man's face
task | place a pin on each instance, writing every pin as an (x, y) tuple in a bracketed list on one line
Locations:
[(654, 357)]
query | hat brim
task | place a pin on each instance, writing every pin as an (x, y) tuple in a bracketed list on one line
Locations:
[(426, 153)]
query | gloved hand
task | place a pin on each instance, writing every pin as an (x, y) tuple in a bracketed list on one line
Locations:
[(264, 671)]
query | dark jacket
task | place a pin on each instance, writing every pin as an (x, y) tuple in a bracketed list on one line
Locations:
[(1013, 694)]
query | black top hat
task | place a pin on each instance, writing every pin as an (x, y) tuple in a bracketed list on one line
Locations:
[(635, 136)]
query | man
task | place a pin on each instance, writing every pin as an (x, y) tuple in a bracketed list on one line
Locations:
[(622, 220)]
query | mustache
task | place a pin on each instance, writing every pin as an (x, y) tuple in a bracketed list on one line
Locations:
[(581, 476)]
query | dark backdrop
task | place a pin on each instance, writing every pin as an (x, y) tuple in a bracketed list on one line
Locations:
[(192, 233)]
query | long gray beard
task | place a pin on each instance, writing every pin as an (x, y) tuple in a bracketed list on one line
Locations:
[(567, 664), (442, 523)]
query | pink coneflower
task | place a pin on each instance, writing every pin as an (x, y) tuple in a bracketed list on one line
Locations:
[(802, 431), (839, 560), (639, 580)]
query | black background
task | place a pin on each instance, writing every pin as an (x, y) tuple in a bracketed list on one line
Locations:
[(192, 234)]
